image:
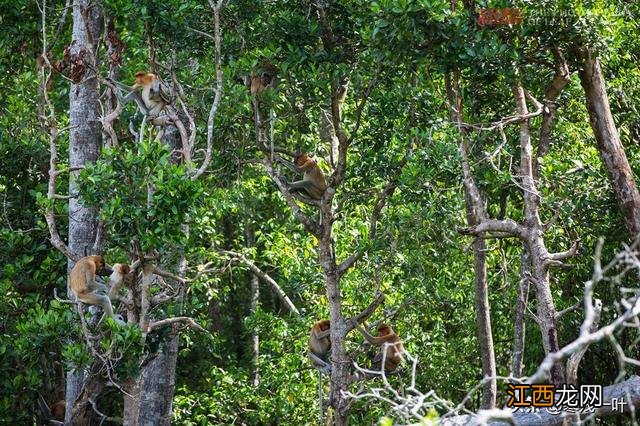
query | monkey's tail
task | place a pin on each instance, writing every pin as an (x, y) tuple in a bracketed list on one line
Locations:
[(320, 406)]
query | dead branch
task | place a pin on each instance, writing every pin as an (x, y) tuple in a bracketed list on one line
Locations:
[(215, 6), (266, 278), (188, 322)]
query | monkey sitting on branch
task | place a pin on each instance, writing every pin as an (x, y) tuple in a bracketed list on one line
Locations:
[(151, 95), (313, 183), (82, 281), (391, 351)]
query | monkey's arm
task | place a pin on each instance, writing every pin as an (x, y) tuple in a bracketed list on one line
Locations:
[(321, 365), (323, 334), (371, 339), (133, 94), (289, 165)]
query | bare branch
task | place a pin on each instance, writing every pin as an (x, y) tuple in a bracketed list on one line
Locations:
[(506, 227), (215, 6), (266, 278), (188, 322), (566, 254)]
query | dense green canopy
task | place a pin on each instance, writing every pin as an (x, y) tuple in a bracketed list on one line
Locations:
[(402, 173)]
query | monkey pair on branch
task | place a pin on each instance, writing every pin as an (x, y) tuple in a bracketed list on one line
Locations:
[(391, 349), (154, 99), (85, 286)]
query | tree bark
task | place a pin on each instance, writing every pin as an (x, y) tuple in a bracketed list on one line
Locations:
[(157, 386), (476, 213), (608, 139), (339, 359), (255, 300), (519, 327), (158, 377), (534, 232), (85, 140)]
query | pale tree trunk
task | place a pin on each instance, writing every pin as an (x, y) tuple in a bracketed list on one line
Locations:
[(530, 168), (255, 337), (533, 232), (339, 358), (85, 140), (476, 212), (255, 300), (156, 383), (609, 145), (519, 324)]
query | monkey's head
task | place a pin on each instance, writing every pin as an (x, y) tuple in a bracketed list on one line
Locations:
[(144, 79), (302, 159), (101, 266), (324, 324), (121, 268), (384, 329)]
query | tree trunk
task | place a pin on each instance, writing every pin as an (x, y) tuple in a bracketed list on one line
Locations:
[(476, 212), (255, 337), (340, 361), (85, 140), (609, 145), (255, 300), (157, 385), (539, 256), (158, 377), (519, 326)]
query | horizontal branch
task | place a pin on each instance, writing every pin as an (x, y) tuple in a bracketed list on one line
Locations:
[(503, 227), (566, 254), (189, 322)]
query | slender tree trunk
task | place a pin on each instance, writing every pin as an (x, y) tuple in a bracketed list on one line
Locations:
[(255, 337), (340, 361), (546, 314), (519, 326), (476, 212), (255, 299), (609, 145), (85, 140), (158, 377)]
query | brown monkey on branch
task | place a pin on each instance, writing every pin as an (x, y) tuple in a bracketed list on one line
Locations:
[(320, 345), (264, 77), (151, 95), (391, 351), (83, 283), (313, 182), (319, 349)]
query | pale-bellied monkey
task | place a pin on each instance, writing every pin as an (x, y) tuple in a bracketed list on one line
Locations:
[(319, 347), (391, 351), (148, 91), (82, 281), (120, 271), (313, 182)]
